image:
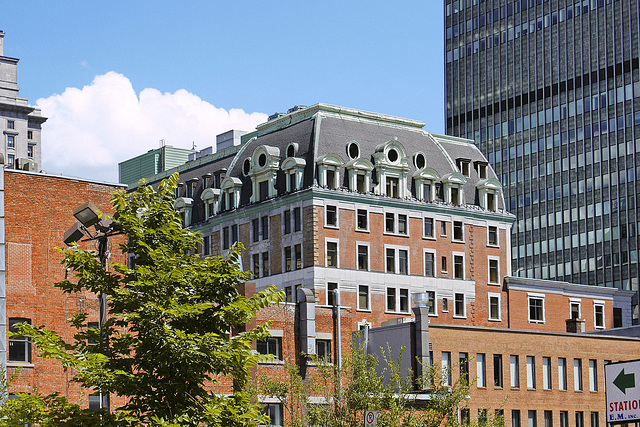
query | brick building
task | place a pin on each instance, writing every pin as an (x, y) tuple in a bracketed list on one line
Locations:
[(328, 198), (38, 209)]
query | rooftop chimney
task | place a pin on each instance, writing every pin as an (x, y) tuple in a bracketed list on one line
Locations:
[(1, 43)]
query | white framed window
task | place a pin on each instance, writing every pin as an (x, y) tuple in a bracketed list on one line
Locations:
[(293, 168), (593, 375), (458, 231), (464, 166), (481, 370), (428, 228), (492, 235), (546, 373), (329, 171), (11, 124), (432, 303), (494, 306), (514, 367), (429, 263), (446, 368), (358, 172), (392, 168), (363, 297), (562, 373), (443, 228), (11, 141), (397, 259), (494, 270), (271, 345), (332, 253), (331, 216), (575, 306), (362, 255), (397, 300), (598, 314), (531, 372), (458, 265), (536, 307), (459, 306), (19, 346), (396, 223), (577, 374), (362, 220), (331, 296)]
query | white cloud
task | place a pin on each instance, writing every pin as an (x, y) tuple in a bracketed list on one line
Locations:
[(90, 130)]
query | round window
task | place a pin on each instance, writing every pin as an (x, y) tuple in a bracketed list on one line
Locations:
[(392, 155), (246, 166), (420, 161), (353, 151), (262, 160)]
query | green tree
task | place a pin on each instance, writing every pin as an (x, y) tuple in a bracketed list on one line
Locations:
[(166, 340)]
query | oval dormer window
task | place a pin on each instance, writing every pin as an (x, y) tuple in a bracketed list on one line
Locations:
[(420, 161), (353, 151), (392, 155), (262, 160), (246, 167)]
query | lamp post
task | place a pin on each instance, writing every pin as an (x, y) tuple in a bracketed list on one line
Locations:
[(88, 215)]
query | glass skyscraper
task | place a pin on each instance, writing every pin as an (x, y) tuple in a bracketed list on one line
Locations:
[(550, 92)]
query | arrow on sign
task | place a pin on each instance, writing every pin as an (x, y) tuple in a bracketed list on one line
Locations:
[(624, 381)]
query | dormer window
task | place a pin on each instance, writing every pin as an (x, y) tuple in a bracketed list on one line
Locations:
[(293, 168), (183, 205), (425, 182), (464, 166), (488, 192), (481, 168), (265, 162), (230, 193), (453, 188), (359, 171), (392, 168), (329, 171), (210, 197)]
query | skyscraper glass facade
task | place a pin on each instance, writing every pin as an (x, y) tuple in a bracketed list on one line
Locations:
[(550, 92)]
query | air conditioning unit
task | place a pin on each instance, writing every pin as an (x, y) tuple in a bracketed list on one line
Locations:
[(26, 165)]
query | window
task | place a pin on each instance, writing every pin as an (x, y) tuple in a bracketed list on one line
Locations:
[(255, 228), (331, 213), (323, 350), (403, 227), (459, 306), (482, 170), (30, 151), (206, 245), (458, 266), (531, 372), (362, 219), (443, 228), (494, 306), (288, 259), (594, 419), (19, 346), (458, 231), (332, 254), (274, 412), (429, 264), (593, 375), (393, 187), (397, 260), (363, 257), (494, 275), (286, 217), (10, 160), (548, 419), (225, 238), (11, 124), (445, 305), (492, 238), (297, 219), (265, 264), (297, 249), (431, 303), (536, 309), (532, 418), (390, 223), (482, 416), (363, 297), (577, 374), (234, 233), (562, 374), (331, 295), (463, 361), (404, 300), (465, 416), (288, 294), (263, 187), (598, 314), (546, 373), (497, 370), (575, 309), (29, 134), (579, 419), (11, 141), (446, 368), (463, 166), (481, 370), (256, 265), (564, 419), (515, 371), (94, 402), (443, 264), (93, 333), (428, 227), (391, 299), (515, 418), (265, 227)]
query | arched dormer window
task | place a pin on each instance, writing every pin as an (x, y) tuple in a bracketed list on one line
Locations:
[(184, 205), (230, 193), (359, 172), (453, 192), (329, 170), (211, 199), (392, 168), (424, 183), (265, 162), (293, 168), (488, 192)]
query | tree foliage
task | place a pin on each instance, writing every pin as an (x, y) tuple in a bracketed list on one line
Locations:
[(166, 340)]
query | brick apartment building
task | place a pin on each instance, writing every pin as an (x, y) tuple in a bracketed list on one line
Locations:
[(38, 209), (328, 198)]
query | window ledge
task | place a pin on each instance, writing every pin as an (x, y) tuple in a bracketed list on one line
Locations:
[(20, 365), (540, 322), (362, 230), (334, 227), (495, 320), (459, 316), (367, 310), (489, 245), (457, 241), (493, 284), (272, 362), (322, 363), (429, 238), (388, 233)]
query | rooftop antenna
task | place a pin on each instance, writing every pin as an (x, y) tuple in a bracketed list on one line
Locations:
[(193, 146)]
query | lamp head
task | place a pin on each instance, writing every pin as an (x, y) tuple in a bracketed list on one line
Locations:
[(87, 213)]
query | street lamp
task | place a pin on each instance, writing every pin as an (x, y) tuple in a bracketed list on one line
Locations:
[(88, 215)]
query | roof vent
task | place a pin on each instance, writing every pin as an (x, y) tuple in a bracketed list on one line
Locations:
[(296, 108), (275, 116)]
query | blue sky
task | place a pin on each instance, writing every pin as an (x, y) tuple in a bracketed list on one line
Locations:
[(201, 62)]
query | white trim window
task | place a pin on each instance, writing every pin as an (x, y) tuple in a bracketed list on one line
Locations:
[(397, 224), (536, 308), (458, 265), (397, 300), (494, 270), (575, 308), (396, 259), (363, 297), (392, 168), (332, 253), (459, 306), (432, 303), (598, 315), (492, 235), (429, 263), (331, 216), (428, 229), (362, 220), (329, 171), (458, 231), (494, 306), (362, 256)]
